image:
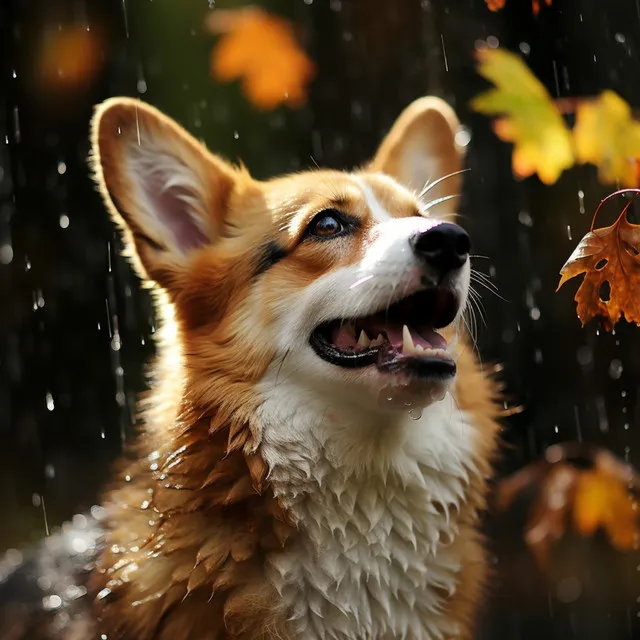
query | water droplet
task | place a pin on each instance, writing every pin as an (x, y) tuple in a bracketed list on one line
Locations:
[(6, 254), (50, 403), (525, 48), (524, 217), (64, 221), (415, 413), (615, 369), (49, 603), (62, 168)]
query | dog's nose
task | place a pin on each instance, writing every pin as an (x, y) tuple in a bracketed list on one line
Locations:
[(444, 247)]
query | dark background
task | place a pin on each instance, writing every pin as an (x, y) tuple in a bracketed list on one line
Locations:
[(75, 329)]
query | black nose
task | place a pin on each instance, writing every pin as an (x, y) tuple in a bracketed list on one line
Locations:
[(444, 247)]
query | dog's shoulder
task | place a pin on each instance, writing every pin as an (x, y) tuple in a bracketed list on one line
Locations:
[(44, 592)]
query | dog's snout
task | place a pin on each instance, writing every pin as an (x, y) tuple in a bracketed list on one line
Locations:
[(444, 247)]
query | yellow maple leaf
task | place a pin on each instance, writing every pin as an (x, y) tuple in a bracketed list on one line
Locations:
[(603, 502), (606, 135), (261, 49), (527, 116)]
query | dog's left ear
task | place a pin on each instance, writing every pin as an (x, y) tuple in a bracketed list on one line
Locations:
[(421, 148)]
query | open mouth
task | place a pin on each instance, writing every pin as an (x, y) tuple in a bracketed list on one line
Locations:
[(403, 337)]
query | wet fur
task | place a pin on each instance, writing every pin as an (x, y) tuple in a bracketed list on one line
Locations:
[(211, 525)]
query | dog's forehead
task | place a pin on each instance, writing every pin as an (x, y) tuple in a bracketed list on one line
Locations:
[(372, 197)]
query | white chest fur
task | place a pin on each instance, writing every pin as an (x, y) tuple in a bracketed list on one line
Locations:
[(376, 506)]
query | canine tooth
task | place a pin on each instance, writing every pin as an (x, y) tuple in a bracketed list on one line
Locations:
[(363, 340), (407, 340)]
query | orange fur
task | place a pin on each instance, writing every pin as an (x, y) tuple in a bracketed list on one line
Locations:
[(191, 515)]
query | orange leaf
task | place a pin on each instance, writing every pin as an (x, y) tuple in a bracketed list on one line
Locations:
[(607, 256), (262, 50), (68, 58), (495, 5), (603, 502)]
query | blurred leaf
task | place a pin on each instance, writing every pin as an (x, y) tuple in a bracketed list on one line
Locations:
[(602, 502), (496, 5), (68, 57), (566, 496), (528, 117), (609, 259), (606, 135), (261, 49), (537, 4)]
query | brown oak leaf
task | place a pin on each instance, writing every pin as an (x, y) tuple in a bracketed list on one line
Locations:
[(609, 258)]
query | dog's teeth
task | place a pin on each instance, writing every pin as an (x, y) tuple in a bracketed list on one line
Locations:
[(378, 341), (363, 340), (419, 348), (407, 340)]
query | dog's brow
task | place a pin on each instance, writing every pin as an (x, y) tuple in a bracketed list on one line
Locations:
[(271, 253)]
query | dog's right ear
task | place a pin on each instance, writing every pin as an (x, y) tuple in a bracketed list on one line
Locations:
[(167, 192)]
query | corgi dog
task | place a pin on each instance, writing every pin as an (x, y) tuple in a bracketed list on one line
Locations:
[(318, 434)]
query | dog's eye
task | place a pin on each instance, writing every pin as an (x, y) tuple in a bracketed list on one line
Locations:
[(326, 223)]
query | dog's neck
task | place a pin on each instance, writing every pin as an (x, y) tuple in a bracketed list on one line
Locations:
[(377, 505)]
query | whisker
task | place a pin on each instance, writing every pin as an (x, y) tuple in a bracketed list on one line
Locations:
[(430, 185), (475, 300), (488, 285), (433, 203)]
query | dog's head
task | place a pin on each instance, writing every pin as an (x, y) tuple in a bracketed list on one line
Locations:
[(348, 282)]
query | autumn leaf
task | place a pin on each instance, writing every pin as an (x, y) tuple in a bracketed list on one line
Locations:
[(527, 116), (536, 5), (606, 135), (496, 5), (262, 50), (603, 502), (68, 58), (569, 497), (609, 259)]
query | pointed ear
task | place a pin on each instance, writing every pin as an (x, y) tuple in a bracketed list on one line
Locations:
[(421, 148), (165, 190)]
